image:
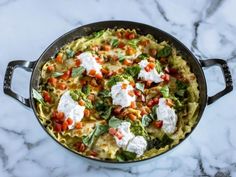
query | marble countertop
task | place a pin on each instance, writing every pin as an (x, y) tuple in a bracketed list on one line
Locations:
[(206, 27)]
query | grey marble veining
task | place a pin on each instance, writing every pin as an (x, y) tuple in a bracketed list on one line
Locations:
[(206, 27)]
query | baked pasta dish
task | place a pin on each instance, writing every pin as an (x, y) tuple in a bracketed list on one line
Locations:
[(117, 95)]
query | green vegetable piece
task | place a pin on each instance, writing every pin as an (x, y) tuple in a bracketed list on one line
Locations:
[(121, 57), (86, 89), (165, 91), (133, 70), (38, 96), (96, 34), (99, 130), (133, 43), (57, 74), (165, 52), (138, 129), (147, 119), (139, 86), (114, 43), (77, 72), (143, 56), (118, 78), (103, 109), (158, 66), (114, 122), (125, 156), (181, 88), (106, 113), (70, 53), (157, 143)]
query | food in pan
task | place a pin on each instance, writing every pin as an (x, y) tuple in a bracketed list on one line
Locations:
[(117, 95)]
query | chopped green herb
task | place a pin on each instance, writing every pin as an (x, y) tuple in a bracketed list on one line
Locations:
[(157, 143), (38, 96), (96, 34), (139, 86), (138, 129), (77, 71), (158, 66), (165, 52), (86, 89), (147, 119), (104, 109), (105, 94), (118, 78), (133, 70), (133, 43)]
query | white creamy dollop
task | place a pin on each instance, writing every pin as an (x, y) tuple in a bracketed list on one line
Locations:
[(70, 108), (129, 141), (121, 96), (88, 61), (127, 135), (167, 115), (152, 75), (137, 145)]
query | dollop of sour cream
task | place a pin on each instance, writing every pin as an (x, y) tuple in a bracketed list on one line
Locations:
[(129, 141), (120, 95), (138, 145), (152, 75), (88, 61), (167, 115), (70, 108)]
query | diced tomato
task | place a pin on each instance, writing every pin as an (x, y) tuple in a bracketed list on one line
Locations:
[(119, 135), (91, 97), (81, 103), (106, 47), (137, 92), (77, 63), (158, 124), (66, 75), (165, 77), (86, 113), (132, 83), (61, 86), (155, 100), (47, 97), (57, 127), (121, 45), (127, 62), (131, 93), (99, 60), (117, 110), (92, 72), (50, 68), (112, 131), (59, 58), (129, 35), (143, 112), (69, 121), (130, 51), (124, 86), (52, 81), (64, 126), (150, 103), (58, 116), (132, 117), (98, 76), (80, 146), (151, 65), (147, 68), (79, 125)]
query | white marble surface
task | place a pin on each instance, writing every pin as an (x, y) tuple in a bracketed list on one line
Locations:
[(207, 27)]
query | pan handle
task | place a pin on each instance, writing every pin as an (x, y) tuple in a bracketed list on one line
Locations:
[(227, 77), (26, 65)]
